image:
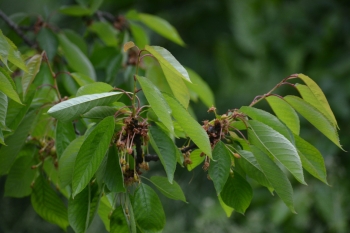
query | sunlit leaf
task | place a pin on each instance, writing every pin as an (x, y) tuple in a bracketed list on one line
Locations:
[(278, 146), (162, 27), (7, 88), (75, 10), (172, 191), (315, 117), (285, 113), (237, 193), (139, 35), (82, 79), (228, 210), (128, 45), (106, 32), (73, 108), (47, 204), (196, 159), (104, 210), (91, 154), (219, 169)]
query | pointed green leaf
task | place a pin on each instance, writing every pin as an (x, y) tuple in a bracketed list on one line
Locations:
[(162, 27), (67, 160), (172, 191), (106, 32), (47, 204), (113, 176), (91, 154), (4, 49), (81, 209), (219, 169), (148, 209), (201, 88), (15, 56), (315, 117), (76, 58), (165, 58), (237, 193), (285, 113), (317, 92), (278, 146), (177, 85), (311, 159), (73, 108), (252, 168), (196, 159), (81, 79), (2, 139), (118, 221), (75, 10), (21, 174), (100, 112), (104, 210), (228, 210), (65, 134), (268, 119), (94, 88), (140, 36), (276, 177), (48, 42), (3, 111), (43, 126), (157, 102), (33, 66), (165, 149), (14, 144), (7, 88), (191, 127)]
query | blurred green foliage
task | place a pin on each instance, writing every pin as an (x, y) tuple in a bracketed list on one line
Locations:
[(241, 48)]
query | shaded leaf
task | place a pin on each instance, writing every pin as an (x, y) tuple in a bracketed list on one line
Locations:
[(113, 176), (172, 191), (100, 112), (73, 108), (139, 35), (162, 27), (104, 210), (191, 127), (106, 32), (82, 79), (7, 87), (91, 154), (118, 221), (285, 113), (48, 42), (219, 169), (65, 134), (94, 88), (237, 193), (278, 146), (228, 210), (33, 66), (148, 209), (75, 10), (165, 149), (196, 159), (3, 111), (47, 204), (315, 117)]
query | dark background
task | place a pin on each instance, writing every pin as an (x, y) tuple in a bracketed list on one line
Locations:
[(242, 49)]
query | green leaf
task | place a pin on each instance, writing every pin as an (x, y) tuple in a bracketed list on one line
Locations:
[(268, 119), (33, 66), (21, 174), (162, 27), (14, 144), (76, 58), (228, 210), (252, 168), (91, 154), (81, 209), (285, 113), (67, 160), (106, 32), (48, 205), (139, 35), (317, 92), (4, 48), (191, 127), (2, 139), (196, 159), (165, 149), (76, 39), (118, 221), (82, 79), (15, 57), (3, 111), (157, 102), (172, 191), (311, 159), (48, 42), (43, 125), (65, 134), (7, 87), (219, 169), (315, 117), (75, 10), (148, 209), (237, 193), (201, 88), (100, 112), (104, 210), (113, 176), (278, 146), (166, 59), (177, 85), (73, 108), (276, 177), (94, 5), (94, 88)]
